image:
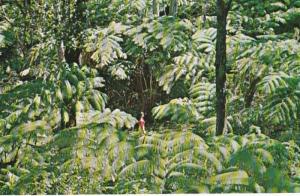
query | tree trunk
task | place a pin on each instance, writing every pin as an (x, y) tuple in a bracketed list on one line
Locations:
[(173, 8), (204, 13), (155, 7), (220, 64)]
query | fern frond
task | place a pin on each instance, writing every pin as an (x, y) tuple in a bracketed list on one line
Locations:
[(230, 178)]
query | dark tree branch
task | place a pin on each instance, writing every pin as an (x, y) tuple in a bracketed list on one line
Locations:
[(251, 91)]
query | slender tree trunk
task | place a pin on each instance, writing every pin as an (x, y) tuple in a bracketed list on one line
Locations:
[(173, 8), (155, 7), (204, 12), (220, 64)]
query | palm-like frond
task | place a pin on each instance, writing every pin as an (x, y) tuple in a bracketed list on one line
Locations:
[(104, 44)]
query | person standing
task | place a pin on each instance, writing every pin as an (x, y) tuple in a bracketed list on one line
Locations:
[(142, 123)]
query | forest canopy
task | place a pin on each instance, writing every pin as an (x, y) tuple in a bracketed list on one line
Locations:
[(216, 84)]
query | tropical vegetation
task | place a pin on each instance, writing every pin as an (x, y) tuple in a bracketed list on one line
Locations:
[(218, 81)]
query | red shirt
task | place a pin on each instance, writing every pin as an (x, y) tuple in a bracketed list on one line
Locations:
[(142, 122)]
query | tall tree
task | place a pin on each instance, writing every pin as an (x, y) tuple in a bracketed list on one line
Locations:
[(220, 63), (173, 7)]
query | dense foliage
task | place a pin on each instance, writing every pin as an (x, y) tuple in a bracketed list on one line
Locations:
[(75, 75)]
